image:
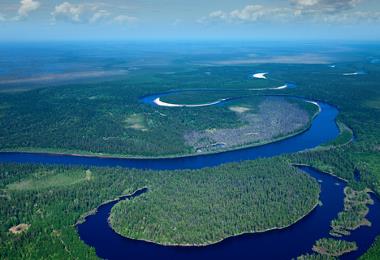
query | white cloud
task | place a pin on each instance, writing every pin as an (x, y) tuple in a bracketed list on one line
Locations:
[(323, 6), (249, 13), (27, 6), (329, 11), (305, 2), (99, 15), (218, 14), (121, 19), (2, 18), (353, 17), (88, 13), (68, 11)]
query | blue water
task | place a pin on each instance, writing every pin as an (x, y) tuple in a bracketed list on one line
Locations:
[(322, 130), (278, 244), (288, 243)]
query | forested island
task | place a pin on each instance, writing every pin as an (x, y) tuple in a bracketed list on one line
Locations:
[(354, 214), (333, 247), (207, 206), (236, 198)]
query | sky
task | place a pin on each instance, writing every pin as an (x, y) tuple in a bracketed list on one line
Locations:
[(275, 20)]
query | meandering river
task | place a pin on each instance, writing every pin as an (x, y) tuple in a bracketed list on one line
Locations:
[(322, 130), (279, 244)]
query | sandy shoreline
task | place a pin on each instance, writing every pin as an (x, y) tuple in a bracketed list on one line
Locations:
[(260, 75), (276, 88), (315, 103), (353, 73), (160, 103)]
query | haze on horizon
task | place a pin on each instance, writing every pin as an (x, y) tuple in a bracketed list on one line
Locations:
[(34, 20)]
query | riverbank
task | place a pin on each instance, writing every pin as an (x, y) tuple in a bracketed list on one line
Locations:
[(299, 166), (281, 197), (317, 222), (83, 217), (78, 153), (220, 240)]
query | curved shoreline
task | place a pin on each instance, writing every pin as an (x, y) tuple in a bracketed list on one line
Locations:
[(83, 217), (307, 139), (145, 189), (317, 222), (261, 75), (354, 73), (52, 152), (160, 103), (275, 88), (223, 239), (174, 156)]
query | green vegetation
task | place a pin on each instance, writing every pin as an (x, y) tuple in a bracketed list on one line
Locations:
[(45, 180), (344, 138), (107, 118), (334, 247), (236, 195), (355, 211), (137, 122), (196, 97), (206, 206), (51, 210)]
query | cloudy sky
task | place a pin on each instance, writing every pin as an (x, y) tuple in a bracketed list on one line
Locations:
[(195, 19)]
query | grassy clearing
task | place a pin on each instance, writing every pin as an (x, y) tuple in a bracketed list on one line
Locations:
[(136, 122), (45, 180), (239, 109), (373, 103)]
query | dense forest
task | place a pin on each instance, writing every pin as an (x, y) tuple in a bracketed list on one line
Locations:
[(107, 117), (110, 118), (204, 207), (246, 197), (51, 200)]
